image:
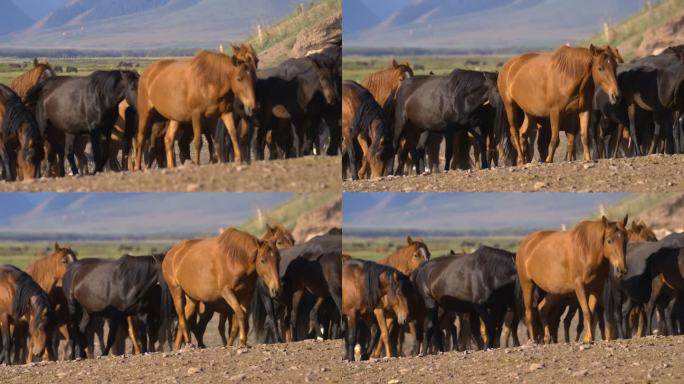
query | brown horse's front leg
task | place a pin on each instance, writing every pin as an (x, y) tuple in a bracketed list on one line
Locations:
[(382, 325), (580, 291), (239, 314), (584, 131), (133, 336), (554, 119), (232, 132)]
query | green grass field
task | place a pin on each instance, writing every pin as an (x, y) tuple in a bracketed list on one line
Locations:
[(358, 67), (21, 254), (85, 65), (377, 248)]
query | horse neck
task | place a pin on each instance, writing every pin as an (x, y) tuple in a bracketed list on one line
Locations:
[(43, 273), (589, 249), (397, 259), (378, 84)]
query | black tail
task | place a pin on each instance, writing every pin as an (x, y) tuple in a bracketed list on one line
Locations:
[(168, 314), (519, 302), (500, 133), (25, 291), (258, 314)]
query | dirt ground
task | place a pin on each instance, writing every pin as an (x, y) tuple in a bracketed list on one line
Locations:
[(653, 173), (651, 359), (304, 174)]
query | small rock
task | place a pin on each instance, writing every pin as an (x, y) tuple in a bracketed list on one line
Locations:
[(238, 377), (582, 372), (535, 366), (584, 347), (192, 187), (539, 185), (194, 370), (393, 381), (240, 351)]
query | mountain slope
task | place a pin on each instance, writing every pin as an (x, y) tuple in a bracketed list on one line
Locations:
[(491, 23), (132, 24), (12, 18)]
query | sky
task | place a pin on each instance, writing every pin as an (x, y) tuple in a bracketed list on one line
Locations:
[(130, 213), (470, 211)]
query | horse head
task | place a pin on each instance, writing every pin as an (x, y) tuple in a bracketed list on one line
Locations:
[(326, 83), (398, 290), (418, 252), (243, 81), (267, 265), (615, 244), (129, 82), (641, 232), (282, 237), (603, 71)]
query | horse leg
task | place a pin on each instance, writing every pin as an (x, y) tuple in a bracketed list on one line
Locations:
[(232, 132), (296, 299), (554, 119), (271, 318), (584, 117), (222, 328), (528, 297), (511, 112), (201, 326), (179, 305), (567, 322), (587, 306), (169, 139), (489, 323), (6, 162), (239, 315), (197, 136), (350, 337), (132, 335), (113, 324), (365, 157), (384, 334)]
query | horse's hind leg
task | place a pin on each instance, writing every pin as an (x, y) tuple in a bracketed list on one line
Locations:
[(132, 335), (113, 324)]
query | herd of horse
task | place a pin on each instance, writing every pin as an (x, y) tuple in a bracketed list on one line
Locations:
[(612, 275), (619, 109), (285, 291), (133, 120)]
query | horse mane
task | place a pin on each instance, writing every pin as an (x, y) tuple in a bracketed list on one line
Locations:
[(367, 112), (372, 272), (572, 62), (102, 83), (28, 79), (237, 243), (210, 68), (16, 114), (280, 228), (588, 235), (497, 262), (385, 82), (26, 288), (246, 53), (140, 268)]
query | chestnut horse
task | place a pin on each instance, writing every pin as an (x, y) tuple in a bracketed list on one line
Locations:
[(563, 262), (384, 83), (405, 260), (47, 272), (368, 288), (556, 86), (283, 239), (641, 232), (194, 91), (41, 70), (219, 268), (21, 297)]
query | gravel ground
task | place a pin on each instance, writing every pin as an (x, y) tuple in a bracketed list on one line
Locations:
[(653, 173), (650, 359), (305, 174)]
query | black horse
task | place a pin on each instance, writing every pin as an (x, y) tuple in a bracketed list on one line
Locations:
[(21, 144), (442, 104), (82, 105), (655, 84), (114, 289), (482, 282)]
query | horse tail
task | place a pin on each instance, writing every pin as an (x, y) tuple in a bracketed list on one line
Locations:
[(398, 112), (258, 313), (519, 303), (168, 313), (499, 135)]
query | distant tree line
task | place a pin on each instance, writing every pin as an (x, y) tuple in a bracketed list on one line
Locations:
[(26, 53)]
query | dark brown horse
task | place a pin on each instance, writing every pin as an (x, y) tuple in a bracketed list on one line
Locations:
[(21, 142), (21, 297), (556, 86), (219, 268), (364, 123), (195, 90), (563, 262), (41, 70), (364, 285)]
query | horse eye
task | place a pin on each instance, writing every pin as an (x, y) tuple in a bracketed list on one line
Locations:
[(610, 241), (600, 68)]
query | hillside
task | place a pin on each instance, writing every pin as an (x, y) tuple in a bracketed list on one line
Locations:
[(649, 29), (12, 18), (490, 24), (131, 24)]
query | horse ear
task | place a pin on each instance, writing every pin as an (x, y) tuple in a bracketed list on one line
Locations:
[(394, 63), (35, 62), (604, 221), (593, 50), (56, 246), (269, 228), (624, 221), (409, 240), (234, 60), (634, 225)]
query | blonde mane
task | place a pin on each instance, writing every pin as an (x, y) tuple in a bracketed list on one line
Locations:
[(238, 244), (383, 83), (572, 62), (211, 68)]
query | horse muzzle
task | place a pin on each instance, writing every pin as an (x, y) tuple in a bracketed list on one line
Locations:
[(620, 272), (401, 319), (615, 98), (274, 292)]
